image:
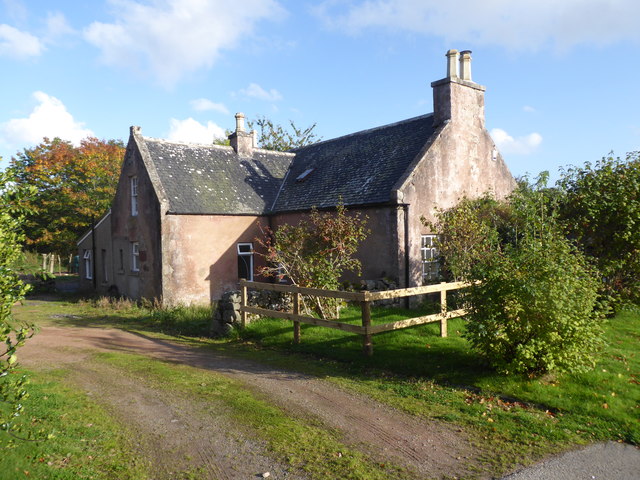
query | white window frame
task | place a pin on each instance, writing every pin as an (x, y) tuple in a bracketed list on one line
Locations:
[(134, 196), (429, 259), (135, 256), (245, 250), (88, 264)]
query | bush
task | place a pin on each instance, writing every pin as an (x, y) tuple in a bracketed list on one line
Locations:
[(601, 211), (533, 311), (12, 290), (533, 306)]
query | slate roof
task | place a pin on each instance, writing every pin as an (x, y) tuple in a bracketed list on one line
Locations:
[(361, 168), (212, 179)]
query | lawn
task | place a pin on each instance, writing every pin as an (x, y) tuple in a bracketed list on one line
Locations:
[(516, 418), (417, 370)]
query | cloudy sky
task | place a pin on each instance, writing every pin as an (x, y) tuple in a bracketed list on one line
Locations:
[(561, 76)]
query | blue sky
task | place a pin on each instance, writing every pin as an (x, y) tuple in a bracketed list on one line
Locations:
[(562, 77)]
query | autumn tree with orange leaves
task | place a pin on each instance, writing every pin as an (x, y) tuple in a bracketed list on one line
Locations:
[(75, 186)]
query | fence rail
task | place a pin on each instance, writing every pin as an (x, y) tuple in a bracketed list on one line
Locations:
[(366, 330)]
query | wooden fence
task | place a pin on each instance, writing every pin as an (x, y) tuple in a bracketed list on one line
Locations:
[(366, 330)]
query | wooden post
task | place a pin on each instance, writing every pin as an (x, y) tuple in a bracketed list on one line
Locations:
[(367, 344), (243, 303), (296, 311), (443, 311)]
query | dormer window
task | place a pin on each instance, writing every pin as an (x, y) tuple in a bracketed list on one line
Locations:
[(134, 196)]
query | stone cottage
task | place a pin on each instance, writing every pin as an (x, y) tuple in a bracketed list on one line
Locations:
[(184, 220)]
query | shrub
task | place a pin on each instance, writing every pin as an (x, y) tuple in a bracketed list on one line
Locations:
[(533, 306), (315, 253), (12, 290), (533, 311), (601, 211)]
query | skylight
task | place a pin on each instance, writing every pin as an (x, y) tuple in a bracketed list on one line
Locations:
[(304, 175)]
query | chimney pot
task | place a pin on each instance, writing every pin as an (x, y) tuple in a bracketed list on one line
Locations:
[(465, 65), (452, 63), (239, 122)]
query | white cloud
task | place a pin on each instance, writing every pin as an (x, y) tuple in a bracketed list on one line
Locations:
[(517, 146), (521, 25), (528, 109), (204, 104), (16, 10), (57, 26), (192, 131), (256, 91), (49, 118), (170, 38), (18, 44)]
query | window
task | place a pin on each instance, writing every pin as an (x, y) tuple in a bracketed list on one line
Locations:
[(121, 258), (88, 265), (134, 196), (430, 262), (135, 257), (105, 270), (245, 261)]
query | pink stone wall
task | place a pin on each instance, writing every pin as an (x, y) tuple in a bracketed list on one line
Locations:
[(200, 255)]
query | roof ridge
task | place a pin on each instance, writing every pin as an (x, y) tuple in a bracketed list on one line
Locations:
[(215, 146), (368, 130)]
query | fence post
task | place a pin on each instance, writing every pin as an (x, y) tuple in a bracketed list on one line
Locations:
[(367, 344), (443, 311), (296, 311), (243, 303)]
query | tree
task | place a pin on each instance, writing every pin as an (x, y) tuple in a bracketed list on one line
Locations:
[(316, 252), (534, 304), (276, 137), (75, 186), (600, 209), (12, 335)]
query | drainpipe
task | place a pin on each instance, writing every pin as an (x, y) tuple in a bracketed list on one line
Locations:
[(405, 210), (93, 252)]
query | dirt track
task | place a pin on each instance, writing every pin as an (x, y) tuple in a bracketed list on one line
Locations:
[(177, 434)]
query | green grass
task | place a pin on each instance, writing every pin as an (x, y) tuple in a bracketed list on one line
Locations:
[(442, 378), (515, 418), (86, 442)]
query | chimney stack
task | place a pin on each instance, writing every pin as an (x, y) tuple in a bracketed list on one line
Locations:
[(456, 97), (241, 141), (465, 65)]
